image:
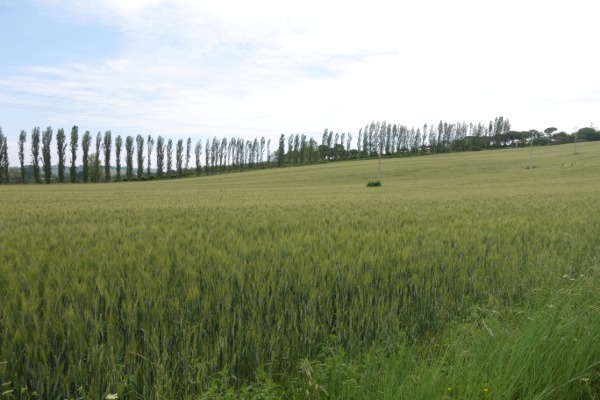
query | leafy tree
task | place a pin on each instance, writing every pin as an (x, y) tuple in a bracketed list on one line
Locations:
[(206, 156), (262, 149), (188, 154), (107, 145), (96, 171), (169, 156), (86, 142), (150, 145), (22, 140), (129, 157), (118, 148), (61, 147), (160, 156), (35, 154), (179, 157), (74, 140), (198, 154), (140, 156), (46, 155), (588, 133), (281, 150), (348, 142), (4, 178), (222, 153)]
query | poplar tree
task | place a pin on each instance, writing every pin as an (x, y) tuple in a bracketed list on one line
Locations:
[(129, 157), (150, 145), (118, 148), (281, 150), (61, 147), (86, 142), (74, 140), (46, 154), (107, 145), (4, 178), (35, 154), (22, 140), (198, 155), (348, 143), (179, 157), (206, 155), (302, 147), (160, 156), (140, 156), (169, 157), (96, 171), (188, 153)]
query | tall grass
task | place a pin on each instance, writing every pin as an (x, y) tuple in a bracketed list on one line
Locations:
[(172, 289)]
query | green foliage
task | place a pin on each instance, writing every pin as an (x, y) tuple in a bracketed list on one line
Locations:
[(160, 156), (61, 147), (74, 140), (588, 134), (107, 146), (118, 149), (22, 140), (46, 154), (179, 158), (86, 142), (277, 282), (374, 183), (140, 156), (129, 148), (4, 162)]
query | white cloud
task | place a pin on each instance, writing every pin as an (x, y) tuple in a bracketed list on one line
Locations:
[(239, 68)]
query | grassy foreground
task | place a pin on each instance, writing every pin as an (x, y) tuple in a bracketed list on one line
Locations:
[(464, 276)]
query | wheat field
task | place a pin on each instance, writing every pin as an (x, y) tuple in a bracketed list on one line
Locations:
[(151, 289)]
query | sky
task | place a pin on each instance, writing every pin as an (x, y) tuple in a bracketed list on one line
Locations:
[(199, 69)]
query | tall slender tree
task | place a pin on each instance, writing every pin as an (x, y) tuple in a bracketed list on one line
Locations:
[(150, 145), (160, 156), (22, 140), (206, 156), (140, 156), (86, 142), (179, 157), (61, 147), (46, 154), (129, 157), (35, 154), (118, 148), (96, 171), (188, 153), (107, 145), (4, 177), (198, 155), (169, 156), (281, 150), (74, 140)]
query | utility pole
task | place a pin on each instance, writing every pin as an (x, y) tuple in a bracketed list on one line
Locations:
[(575, 142)]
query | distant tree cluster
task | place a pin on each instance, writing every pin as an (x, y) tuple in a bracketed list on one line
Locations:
[(237, 154)]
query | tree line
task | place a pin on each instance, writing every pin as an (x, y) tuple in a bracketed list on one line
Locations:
[(238, 154)]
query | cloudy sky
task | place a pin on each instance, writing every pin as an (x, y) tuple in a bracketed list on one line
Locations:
[(262, 68)]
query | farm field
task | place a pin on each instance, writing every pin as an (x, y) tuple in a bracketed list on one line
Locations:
[(304, 283)]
